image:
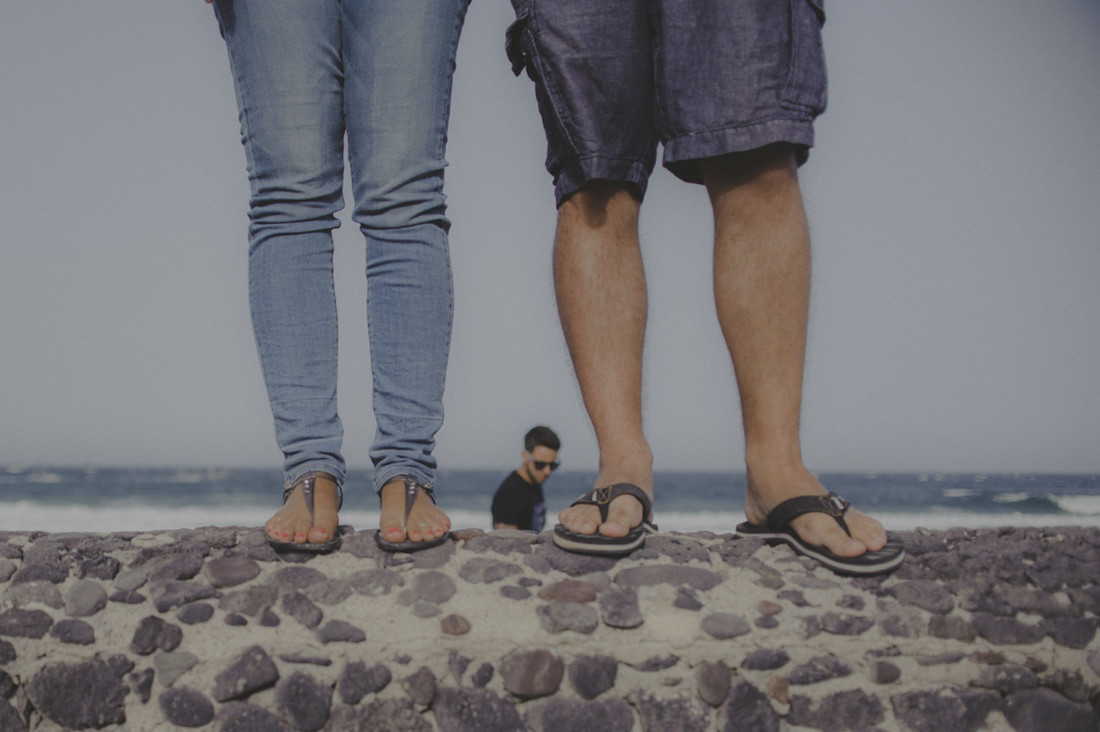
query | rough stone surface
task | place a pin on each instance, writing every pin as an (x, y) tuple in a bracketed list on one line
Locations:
[(978, 629)]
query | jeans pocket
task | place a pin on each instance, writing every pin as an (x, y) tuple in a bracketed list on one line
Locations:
[(806, 84), (514, 45)]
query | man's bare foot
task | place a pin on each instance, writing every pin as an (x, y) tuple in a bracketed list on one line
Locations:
[(623, 514), (765, 492), (291, 524), (425, 522)]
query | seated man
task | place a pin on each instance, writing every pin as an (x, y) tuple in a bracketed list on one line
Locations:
[(518, 502)]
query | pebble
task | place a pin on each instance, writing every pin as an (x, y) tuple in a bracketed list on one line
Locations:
[(1010, 615)]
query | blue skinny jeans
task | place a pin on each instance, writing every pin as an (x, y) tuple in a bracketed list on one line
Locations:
[(308, 75)]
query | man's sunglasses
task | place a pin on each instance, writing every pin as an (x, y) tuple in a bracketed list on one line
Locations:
[(542, 464)]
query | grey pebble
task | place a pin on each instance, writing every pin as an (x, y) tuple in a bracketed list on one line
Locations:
[(749, 708), (925, 594), (141, 683), (7, 569), (819, 669), (725, 625), (425, 609), (127, 597), (305, 702), (884, 672), (82, 695), (420, 686), (513, 592), (181, 592), (484, 674), (186, 707), (687, 599), (532, 673), (854, 709), (245, 717), (28, 593), (951, 627), (302, 609), (487, 570), (170, 665), (560, 616), (357, 681), (335, 631), (129, 578), (591, 676), (669, 574), (252, 671), (153, 633), (195, 613), (712, 682), (619, 608), (766, 659), (612, 715), (851, 625), (474, 710), (375, 582), (676, 713), (435, 587), (73, 631), (230, 571), (1035, 709)]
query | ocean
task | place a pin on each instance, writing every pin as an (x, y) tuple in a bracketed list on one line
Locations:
[(103, 500)]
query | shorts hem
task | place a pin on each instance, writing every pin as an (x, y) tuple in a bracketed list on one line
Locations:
[(574, 177), (681, 154)]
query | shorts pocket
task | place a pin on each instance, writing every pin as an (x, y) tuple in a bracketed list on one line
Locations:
[(806, 86), (514, 45)]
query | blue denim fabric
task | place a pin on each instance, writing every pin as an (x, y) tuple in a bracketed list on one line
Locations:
[(308, 73), (704, 78)]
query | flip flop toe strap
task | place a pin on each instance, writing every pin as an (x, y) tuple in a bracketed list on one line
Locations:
[(787, 511), (601, 498), (413, 487)]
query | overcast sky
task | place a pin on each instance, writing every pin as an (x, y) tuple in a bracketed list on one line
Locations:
[(953, 195)]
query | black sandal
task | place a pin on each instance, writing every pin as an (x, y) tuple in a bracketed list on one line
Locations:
[(779, 531), (306, 482), (412, 488), (597, 543)]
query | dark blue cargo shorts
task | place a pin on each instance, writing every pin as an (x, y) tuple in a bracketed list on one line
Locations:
[(702, 77)]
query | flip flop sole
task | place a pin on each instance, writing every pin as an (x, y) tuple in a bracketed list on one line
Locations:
[(882, 561), (407, 546), (308, 547), (600, 545)]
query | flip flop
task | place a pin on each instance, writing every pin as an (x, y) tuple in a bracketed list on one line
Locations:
[(597, 543), (779, 531), (310, 547), (412, 488)]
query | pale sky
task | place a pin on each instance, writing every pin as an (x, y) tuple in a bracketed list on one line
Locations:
[(952, 194)]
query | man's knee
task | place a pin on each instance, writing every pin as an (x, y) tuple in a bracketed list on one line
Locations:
[(601, 203)]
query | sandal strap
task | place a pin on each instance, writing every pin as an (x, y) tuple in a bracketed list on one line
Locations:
[(412, 488), (832, 504), (307, 482), (601, 498)]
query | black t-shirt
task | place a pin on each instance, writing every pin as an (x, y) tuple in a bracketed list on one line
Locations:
[(519, 503)]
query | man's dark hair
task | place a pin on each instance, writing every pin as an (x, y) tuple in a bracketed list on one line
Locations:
[(543, 436)]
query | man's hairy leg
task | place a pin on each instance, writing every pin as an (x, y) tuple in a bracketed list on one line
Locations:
[(601, 294), (762, 287)]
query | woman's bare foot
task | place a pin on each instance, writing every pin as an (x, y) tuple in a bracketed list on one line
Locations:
[(425, 521), (292, 524), (766, 491)]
